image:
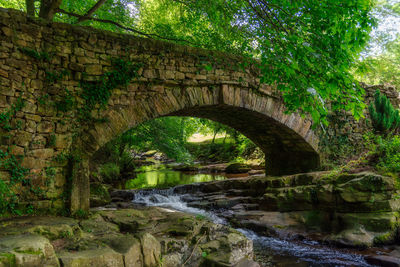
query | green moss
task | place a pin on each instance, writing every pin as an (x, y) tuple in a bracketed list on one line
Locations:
[(56, 76), (99, 92), (8, 259), (35, 54), (277, 226), (28, 251), (384, 239)]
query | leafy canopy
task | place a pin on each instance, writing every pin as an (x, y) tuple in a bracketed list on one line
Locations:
[(380, 63), (304, 47)]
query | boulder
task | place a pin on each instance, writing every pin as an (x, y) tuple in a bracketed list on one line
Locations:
[(128, 246), (383, 260), (27, 250), (237, 168), (151, 249), (105, 257)]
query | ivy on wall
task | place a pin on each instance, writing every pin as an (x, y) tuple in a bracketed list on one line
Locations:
[(10, 162), (99, 92), (95, 94)]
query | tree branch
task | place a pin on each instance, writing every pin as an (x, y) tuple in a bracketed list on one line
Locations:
[(30, 7), (48, 8), (90, 12), (149, 35)]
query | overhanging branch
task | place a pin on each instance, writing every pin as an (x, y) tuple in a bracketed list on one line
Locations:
[(149, 35), (90, 12)]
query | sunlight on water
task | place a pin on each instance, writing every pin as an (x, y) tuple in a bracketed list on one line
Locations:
[(163, 178)]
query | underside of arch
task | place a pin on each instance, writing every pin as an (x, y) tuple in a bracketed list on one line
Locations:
[(286, 151)]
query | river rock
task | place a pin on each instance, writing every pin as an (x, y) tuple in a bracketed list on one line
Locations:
[(98, 257), (143, 237), (237, 168), (247, 263), (27, 250), (382, 260), (151, 249)]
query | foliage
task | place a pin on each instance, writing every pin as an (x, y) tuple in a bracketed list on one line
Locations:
[(35, 54), (12, 164), (306, 47), (380, 153), (380, 62), (7, 198), (384, 116), (383, 68), (110, 172), (388, 154), (56, 76), (16, 4), (6, 116), (67, 103), (99, 92), (218, 150), (167, 135)]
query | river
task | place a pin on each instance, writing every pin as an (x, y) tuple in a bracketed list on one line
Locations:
[(269, 251)]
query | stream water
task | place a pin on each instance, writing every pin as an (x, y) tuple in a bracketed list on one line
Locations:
[(268, 251), (160, 176)]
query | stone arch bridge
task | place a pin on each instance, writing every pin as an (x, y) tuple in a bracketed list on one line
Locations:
[(45, 63)]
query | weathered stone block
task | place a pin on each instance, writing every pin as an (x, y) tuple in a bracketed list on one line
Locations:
[(33, 163), (94, 69), (45, 127), (22, 138), (43, 153), (62, 141)]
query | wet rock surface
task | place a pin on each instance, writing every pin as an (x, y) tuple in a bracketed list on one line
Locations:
[(142, 236), (346, 210)]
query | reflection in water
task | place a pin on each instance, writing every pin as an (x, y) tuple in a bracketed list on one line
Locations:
[(160, 177)]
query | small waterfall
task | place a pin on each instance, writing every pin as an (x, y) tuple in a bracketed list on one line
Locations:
[(167, 198), (309, 252)]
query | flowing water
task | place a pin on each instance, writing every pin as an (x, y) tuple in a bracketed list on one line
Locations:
[(269, 251)]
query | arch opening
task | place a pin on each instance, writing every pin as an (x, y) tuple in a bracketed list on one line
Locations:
[(289, 144), (172, 150)]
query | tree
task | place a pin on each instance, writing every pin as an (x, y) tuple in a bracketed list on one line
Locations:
[(384, 116), (380, 62), (305, 47)]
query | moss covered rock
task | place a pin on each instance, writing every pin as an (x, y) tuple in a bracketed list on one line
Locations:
[(99, 195), (99, 257), (27, 250), (237, 168)]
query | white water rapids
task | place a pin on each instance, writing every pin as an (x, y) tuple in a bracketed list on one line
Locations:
[(306, 253)]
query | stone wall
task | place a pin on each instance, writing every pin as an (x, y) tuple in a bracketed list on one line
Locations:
[(344, 130), (46, 64)]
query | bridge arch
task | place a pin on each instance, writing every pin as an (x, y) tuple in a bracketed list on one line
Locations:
[(287, 140), (174, 80)]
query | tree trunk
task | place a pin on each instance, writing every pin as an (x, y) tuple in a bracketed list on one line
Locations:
[(182, 130), (30, 7), (48, 8)]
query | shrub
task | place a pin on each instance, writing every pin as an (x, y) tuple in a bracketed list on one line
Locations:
[(110, 172), (388, 154), (383, 115)]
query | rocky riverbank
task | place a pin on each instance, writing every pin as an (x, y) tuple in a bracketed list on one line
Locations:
[(134, 236), (351, 210)]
